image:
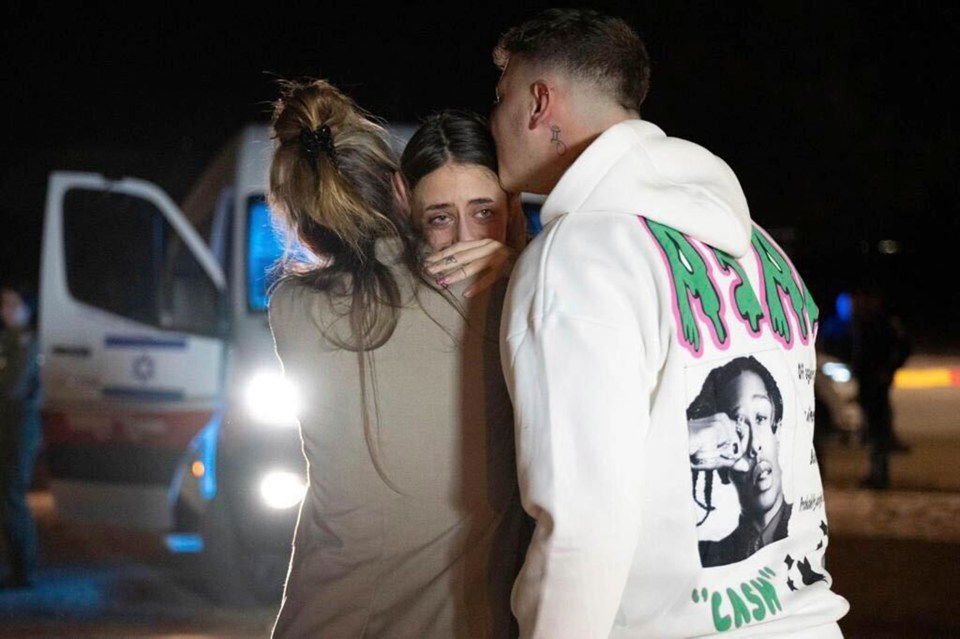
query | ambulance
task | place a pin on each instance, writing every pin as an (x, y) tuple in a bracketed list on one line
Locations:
[(164, 404)]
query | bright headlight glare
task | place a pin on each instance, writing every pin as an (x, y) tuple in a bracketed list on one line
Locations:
[(281, 489), (839, 373), (270, 398)]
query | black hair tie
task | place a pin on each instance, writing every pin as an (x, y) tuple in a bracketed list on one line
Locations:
[(320, 140)]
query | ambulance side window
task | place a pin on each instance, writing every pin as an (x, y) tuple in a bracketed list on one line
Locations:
[(123, 256)]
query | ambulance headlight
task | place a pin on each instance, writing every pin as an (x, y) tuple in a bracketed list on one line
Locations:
[(271, 399), (281, 490)]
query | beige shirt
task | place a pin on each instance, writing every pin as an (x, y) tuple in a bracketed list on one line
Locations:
[(438, 558)]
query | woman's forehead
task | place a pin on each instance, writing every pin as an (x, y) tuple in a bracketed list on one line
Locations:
[(454, 180)]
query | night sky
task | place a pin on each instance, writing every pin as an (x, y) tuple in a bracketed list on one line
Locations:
[(837, 117)]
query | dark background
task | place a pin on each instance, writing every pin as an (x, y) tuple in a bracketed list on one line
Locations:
[(837, 117)]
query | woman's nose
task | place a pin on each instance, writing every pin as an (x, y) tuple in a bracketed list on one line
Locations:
[(466, 231)]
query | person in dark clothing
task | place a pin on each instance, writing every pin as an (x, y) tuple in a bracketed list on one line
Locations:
[(878, 348), (833, 336), (20, 435)]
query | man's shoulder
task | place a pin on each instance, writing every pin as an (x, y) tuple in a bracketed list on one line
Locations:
[(586, 266), (597, 238)]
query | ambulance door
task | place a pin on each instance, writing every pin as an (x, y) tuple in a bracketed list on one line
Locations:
[(133, 326)]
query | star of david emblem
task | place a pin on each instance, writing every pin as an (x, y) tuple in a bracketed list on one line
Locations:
[(143, 368)]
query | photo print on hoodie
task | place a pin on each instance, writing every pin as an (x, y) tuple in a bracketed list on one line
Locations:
[(741, 414)]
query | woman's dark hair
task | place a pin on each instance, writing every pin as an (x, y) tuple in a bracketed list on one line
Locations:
[(462, 137)]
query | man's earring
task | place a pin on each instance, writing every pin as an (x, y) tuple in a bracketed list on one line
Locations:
[(557, 142)]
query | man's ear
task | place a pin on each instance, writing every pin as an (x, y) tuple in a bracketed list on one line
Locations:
[(542, 103)]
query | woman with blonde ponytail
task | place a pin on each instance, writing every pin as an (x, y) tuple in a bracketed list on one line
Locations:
[(411, 525)]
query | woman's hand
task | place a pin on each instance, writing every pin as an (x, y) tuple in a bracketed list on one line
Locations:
[(465, 259)]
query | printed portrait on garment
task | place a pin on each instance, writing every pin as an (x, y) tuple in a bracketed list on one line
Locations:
[(738, 432)]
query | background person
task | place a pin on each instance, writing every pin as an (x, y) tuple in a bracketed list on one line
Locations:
[(20, 434), (879, 347), (648, 265), (411, 525)]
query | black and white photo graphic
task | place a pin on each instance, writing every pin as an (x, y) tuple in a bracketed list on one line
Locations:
[(736, 423)]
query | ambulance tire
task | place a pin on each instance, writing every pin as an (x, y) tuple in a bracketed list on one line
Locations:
[(233, 575)]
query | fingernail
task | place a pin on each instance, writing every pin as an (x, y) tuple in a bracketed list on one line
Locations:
[(442, 281)]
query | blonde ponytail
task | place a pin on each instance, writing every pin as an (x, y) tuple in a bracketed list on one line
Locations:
[(345, 190)]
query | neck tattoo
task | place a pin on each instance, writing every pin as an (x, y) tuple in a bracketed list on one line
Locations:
[(557, 142)]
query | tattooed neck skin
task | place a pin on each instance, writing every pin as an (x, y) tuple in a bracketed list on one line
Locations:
[(555, 139)]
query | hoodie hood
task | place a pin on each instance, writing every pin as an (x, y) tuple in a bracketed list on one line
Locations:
[(635, 168)]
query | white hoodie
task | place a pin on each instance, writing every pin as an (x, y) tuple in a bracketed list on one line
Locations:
[(647, 276)]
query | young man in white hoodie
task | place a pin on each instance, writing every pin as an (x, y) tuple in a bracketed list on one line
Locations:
[(649, 274)]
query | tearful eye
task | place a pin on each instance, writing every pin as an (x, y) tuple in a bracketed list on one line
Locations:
[(438, 220)]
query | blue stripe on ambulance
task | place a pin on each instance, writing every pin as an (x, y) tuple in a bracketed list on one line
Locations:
[(144, 394), (126, 341)]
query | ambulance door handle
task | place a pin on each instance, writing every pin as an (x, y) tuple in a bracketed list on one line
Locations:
[(71, 350)]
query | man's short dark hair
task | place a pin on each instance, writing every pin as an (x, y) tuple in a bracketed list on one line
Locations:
[(587, 44)]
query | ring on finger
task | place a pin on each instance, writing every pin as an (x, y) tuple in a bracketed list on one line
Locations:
[(450, 259)]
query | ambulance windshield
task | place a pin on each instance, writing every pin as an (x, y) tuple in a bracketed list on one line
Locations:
[(264, 249)]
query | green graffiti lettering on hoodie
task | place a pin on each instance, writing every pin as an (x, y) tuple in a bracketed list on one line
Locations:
[(731, 611), (744, 299), (699, 305), (758, 610), (720, 621), (778, 278), (813, 311), (691, 281), (769, 594)]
